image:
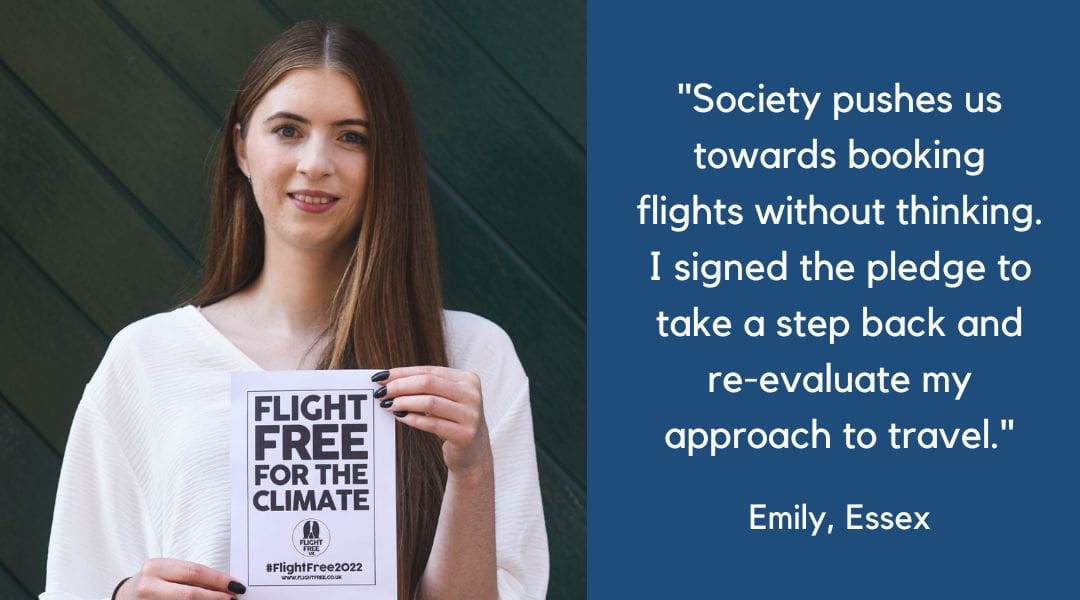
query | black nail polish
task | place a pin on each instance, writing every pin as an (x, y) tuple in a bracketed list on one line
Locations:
[(386, 403), (400, 413), (379, 393), (236, 587), (381, 375)]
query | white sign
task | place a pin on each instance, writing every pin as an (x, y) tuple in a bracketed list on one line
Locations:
[(314, 499)]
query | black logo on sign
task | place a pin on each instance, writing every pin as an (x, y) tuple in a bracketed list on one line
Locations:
[(311, 537)]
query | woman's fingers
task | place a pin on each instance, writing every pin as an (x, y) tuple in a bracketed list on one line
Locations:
[(435, 406), (444, 372), (165, 573), (448, 430), (445, 402), (195, 574), (430, 384)]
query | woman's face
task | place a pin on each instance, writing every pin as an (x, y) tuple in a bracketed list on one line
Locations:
[(308, 134)]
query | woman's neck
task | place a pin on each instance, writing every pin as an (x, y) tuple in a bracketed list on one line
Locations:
[(292, 293)]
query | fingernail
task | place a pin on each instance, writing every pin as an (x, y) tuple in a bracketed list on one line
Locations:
[(386, 403), (381, 375), (379, 393), (236, 587), (400, 413)]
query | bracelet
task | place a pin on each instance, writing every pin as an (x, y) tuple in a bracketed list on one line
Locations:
[(118, 586)]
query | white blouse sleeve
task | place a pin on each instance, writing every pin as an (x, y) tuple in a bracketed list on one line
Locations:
[(521, 539), (101, 528), (521, 548)]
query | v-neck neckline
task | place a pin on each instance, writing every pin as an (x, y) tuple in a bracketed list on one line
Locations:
[(215, 334)]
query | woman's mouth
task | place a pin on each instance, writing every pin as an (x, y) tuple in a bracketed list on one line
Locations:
[(313, 203)]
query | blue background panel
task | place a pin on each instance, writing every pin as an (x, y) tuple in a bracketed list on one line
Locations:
[(665, 525)]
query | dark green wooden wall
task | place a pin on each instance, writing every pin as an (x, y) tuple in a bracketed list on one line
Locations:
[(110, 109)]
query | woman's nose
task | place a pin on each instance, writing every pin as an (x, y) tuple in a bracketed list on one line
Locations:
[(314, 160)]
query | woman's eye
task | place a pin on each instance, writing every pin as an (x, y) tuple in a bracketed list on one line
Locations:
[(287, 131), (352, 137)]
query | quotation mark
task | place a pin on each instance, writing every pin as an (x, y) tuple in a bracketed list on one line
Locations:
[(1006, 425), (686, 88)]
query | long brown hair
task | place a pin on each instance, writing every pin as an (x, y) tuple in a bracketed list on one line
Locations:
[(387, 309)]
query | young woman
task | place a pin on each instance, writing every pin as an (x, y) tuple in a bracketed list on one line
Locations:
[(321, 255)]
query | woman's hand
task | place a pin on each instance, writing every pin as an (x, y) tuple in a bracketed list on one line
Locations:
[(166, 578), (446, 402), (449, 403)]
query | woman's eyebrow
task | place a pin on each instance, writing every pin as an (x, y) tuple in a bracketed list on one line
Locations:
[(295, 117)]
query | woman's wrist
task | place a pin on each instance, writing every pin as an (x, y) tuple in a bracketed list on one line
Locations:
[(479, 473)]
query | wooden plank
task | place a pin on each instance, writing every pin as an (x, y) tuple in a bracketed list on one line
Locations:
[(564, 514), (483, 134), (11, 588), (118, 103), (88, 237), (50, 350), (29, 469), (540, 44), (208, 42)]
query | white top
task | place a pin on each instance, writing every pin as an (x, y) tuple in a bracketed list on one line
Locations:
[(146, 468)]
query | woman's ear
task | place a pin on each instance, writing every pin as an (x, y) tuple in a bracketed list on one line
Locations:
[(241, 151)]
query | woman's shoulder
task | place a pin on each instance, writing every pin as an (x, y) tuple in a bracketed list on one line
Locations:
[(163, 328), (462, 326), (476, 343), (142, 347), (140, 351), (469, 334)]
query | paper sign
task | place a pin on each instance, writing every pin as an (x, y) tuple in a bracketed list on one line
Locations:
[(314, 499)]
